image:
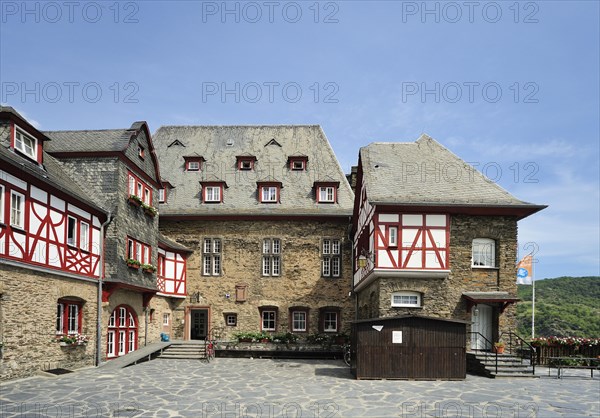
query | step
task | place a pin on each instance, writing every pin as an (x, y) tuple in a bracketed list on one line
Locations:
[(515, 375)]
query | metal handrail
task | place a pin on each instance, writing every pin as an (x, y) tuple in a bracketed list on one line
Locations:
[(486, 352), (521, 342)]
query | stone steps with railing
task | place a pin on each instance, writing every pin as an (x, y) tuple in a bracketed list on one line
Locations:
[(184, 352)]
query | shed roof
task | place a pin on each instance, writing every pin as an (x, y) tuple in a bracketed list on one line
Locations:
[(401, 317)]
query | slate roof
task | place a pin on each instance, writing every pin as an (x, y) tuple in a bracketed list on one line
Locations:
[(169, 243), (426, 173), (88, 141), (220, 145), (50, 172)]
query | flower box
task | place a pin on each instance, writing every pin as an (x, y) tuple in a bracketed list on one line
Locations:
[(133, 264), (149, 210), (133, 200), (148, 268)]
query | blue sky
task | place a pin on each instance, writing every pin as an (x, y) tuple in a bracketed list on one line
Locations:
[(512, 87)]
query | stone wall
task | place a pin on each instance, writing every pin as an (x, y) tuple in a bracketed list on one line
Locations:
[(28, 301), (300, 283), (443, 297)]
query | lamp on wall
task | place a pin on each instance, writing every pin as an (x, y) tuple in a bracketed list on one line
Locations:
[(363, 258)]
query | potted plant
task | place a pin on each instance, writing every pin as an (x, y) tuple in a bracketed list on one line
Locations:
[(134, 264), (134, 200), (149, 210), (148, 268), (244, 337), (72, 340), (263, 337), (499, 347)]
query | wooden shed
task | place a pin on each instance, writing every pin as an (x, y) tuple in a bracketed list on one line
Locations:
[(409, 347)]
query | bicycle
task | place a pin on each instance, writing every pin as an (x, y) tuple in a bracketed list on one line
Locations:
[(347, 354), (211, 342)]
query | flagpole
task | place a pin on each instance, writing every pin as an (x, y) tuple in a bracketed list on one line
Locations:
[(532, 301)]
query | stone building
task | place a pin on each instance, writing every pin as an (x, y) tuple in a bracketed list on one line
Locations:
[(266, 210), (432, 236), (50, 256)]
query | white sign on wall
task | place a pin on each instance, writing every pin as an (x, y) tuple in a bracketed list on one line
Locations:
[(396, 337)]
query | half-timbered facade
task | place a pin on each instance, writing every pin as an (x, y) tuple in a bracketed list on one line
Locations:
[(50, 249), (432, 236), (266, 210)]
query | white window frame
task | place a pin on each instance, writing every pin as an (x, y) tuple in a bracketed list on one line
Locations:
[(479, 258), (326, 194), (84, 236), (162, 194), (215, 194), (22, 147), (1, 204), (166, 318), (17, 216), (71, 233), (269, 194), (297, 165), (212, 257), (393, 236), (193, 166), (110, 344), (231, 320), (268, 320), (406, 299), (271, 257), (302, 318), (60, 318), (329, 320), (331, 253)]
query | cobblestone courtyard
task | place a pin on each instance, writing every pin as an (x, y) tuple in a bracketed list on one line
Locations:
[(288, 388)]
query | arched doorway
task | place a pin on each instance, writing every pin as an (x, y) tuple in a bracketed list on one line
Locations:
[(122, 332)]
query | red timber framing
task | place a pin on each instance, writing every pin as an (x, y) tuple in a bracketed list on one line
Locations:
[(171, 273), (54, 231), (421, 241)]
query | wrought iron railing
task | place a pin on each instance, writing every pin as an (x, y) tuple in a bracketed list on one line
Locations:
[(520, 348), (489, 356)]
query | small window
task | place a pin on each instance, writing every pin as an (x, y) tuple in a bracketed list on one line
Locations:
[(166, 318), (162, 195), (299, 321), (1, 204), (406, 299), (212, 194), (231, 320), (269, 320), (71, 231), (297, 165), (326, 194), (193, 166), (245, 165), (141, 152), (25, 144), (484, 252), (211, 257), (269, 194), (17, 210), (84, 236), (68, 317), (393, 236), (330, 321)]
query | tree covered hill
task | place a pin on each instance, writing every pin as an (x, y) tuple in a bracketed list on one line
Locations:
[(564, 307)]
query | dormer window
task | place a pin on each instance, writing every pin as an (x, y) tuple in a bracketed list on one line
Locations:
[(25, 144), (326, 192), (269, 192), (297, 162), (193, 163), (162, 195), (245, 162), (212, 192), (141, 152)]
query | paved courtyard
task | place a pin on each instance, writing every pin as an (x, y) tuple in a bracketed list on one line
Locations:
[(288, 388)]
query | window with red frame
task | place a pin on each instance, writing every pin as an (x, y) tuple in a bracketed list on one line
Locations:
[(269, 193), (193, 163), (297, 163), (326, 194), (122, 332), (138, 251), (68, 317), (245, 163), (140, 189), (212, 193)]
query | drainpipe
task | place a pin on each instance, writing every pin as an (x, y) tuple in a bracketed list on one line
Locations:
[(99, 301)]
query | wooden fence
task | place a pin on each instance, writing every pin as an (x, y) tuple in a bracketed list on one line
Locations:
[(546, 351)]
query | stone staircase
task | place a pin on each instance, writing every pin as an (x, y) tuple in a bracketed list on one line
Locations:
[(508, 365), (184, 351)]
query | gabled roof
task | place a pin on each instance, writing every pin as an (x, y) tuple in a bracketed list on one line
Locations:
[(65, 144), (424, 173), (220, 145)]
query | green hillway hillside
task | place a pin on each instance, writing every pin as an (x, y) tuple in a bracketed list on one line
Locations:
[(564, 307)]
